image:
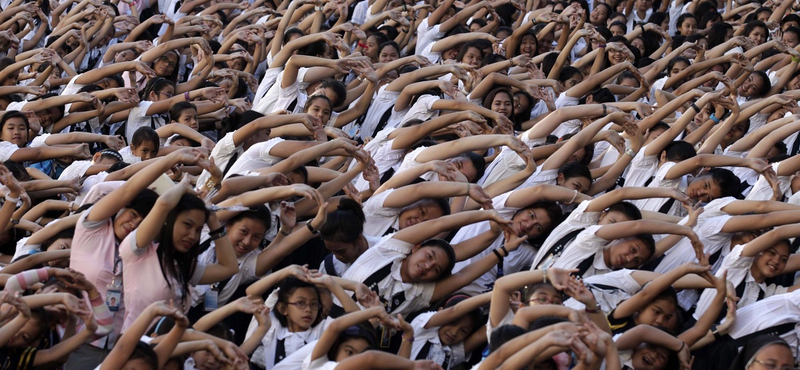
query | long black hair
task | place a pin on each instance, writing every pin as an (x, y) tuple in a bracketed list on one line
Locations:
[(179, 266)]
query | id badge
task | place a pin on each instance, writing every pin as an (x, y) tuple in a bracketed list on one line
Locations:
[(386, 336), (211, 302)]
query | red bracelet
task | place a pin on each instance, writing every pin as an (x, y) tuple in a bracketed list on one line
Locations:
[(363, 45), (590, 310)]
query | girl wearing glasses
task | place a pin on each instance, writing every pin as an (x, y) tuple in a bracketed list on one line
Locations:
[(297, 313)]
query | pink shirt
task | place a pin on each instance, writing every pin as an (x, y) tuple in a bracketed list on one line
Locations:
[(93, 254), (144, 280)]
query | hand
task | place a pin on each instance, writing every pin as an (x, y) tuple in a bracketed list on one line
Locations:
[(81, 151), (512, 242), (145, 70), (248, 305), (426, 365), (476, 193), (759, 165), (262, 317), (288, 216), (559, 278), (576, 289)]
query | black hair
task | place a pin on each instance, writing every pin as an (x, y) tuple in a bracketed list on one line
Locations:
[(291, 32), (143, 202), (568, 72), (176, 137), (790, 18), (144, 352), (619, 24), (155, 85), (175, 265), (718, 33), (750, 26), (680, 21), (145, 134), (729, 184), (656, 18), (465, 48), (504, 334), (504, 29), (492, 58), (479, 21), (312, 98), (554, 212), (259, 213), (286, 288), (626, 208), (448, 251), (575, 169), (475, 315), (15, 114), (237, 121), (63, 234), (338, 88), (387, 44), (345, 224), (649, 243), (489, 98), (175, 110), (361, 331), (609, 10), (477, 161), (302, 171), (765, 86), (599, 96), (117, 166), (712, 16), (679, 151)]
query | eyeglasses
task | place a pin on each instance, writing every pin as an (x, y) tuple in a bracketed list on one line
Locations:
[(774, 366), (303, 305), (165, 59)]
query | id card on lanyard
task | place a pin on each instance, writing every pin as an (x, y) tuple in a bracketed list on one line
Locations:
[(114, 294)]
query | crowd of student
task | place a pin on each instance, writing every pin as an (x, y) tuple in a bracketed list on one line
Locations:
[(389, 184)]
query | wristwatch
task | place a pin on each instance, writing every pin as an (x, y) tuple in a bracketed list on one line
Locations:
[(630, 152)]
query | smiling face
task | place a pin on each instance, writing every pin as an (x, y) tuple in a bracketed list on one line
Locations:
[(457, 331), (599, 15), (424, 264), (751, 86), (628, 253), (688, 27), (246, 235), (320, 108), (186, 229), (533, 222), (758, 35), (388, 54), (647, 357), (15, 131), (771, 262), (502, 104), (472, 57)]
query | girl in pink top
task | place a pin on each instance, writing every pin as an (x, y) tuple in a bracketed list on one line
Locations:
[(160, 257)]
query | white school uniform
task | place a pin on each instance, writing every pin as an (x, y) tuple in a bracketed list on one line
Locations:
[(342, 267), (386, 158), (609, 290), (255, 157), (586, 245), (517, 260), (654, 204), (391, 251), (295, 360), (738, 268), (138, 117), (447, 356), (379, 218), (223, 152), (508, 162), (578, 219), (265, 354), (782, 309)]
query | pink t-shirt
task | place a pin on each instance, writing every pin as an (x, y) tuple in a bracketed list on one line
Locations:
[(93, 254), (144, 280)]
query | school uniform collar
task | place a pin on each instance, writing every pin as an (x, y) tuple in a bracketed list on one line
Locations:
[(284, 334)]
